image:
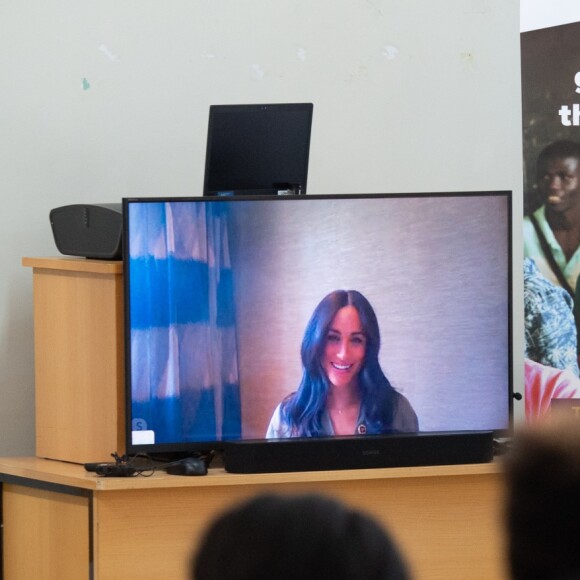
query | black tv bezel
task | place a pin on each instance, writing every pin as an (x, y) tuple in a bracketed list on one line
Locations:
[(215, 110), (364, 443)]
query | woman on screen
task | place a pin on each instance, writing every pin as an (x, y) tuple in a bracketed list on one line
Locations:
[(343, 389)]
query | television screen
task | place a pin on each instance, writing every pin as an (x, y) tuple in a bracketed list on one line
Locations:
[(316, 317), (257, 149)]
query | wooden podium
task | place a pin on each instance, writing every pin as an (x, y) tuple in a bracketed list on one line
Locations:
[(79, 358)]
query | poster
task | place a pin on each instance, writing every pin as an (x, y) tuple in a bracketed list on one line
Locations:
[(550, 69)]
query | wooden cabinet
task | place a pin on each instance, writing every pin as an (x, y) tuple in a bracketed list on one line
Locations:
[(79, 358), (63, 523)]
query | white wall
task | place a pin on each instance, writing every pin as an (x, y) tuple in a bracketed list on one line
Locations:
[(535, 14), (106, 99)]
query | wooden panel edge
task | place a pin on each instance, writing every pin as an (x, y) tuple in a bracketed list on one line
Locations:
[(75, 264)]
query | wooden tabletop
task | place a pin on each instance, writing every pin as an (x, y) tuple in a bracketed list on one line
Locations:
[(71, 474)]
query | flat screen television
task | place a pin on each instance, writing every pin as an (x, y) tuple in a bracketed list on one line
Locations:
[(224, 326), (257, 149)]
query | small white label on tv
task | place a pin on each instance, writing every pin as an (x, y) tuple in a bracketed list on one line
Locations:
[(144, 437)]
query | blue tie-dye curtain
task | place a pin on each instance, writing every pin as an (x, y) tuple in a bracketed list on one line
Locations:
[(183, 338)]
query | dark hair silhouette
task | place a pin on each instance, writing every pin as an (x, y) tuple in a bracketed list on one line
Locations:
[(303, 410), (296, 538), (543, 502)]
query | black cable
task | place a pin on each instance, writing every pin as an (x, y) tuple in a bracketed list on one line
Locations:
[(125, 465)]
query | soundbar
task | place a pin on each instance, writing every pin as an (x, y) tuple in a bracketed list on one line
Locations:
[(400, 450)]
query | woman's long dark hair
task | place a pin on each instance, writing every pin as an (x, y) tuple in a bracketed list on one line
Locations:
[(303, 410)]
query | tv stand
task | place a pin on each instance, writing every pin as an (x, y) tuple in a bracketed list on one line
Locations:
[(60, 521)]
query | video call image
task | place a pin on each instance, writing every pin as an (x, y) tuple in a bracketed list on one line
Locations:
[(224, 295)]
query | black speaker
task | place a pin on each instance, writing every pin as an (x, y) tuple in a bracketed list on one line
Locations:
[(400, 450), (88, 230)]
